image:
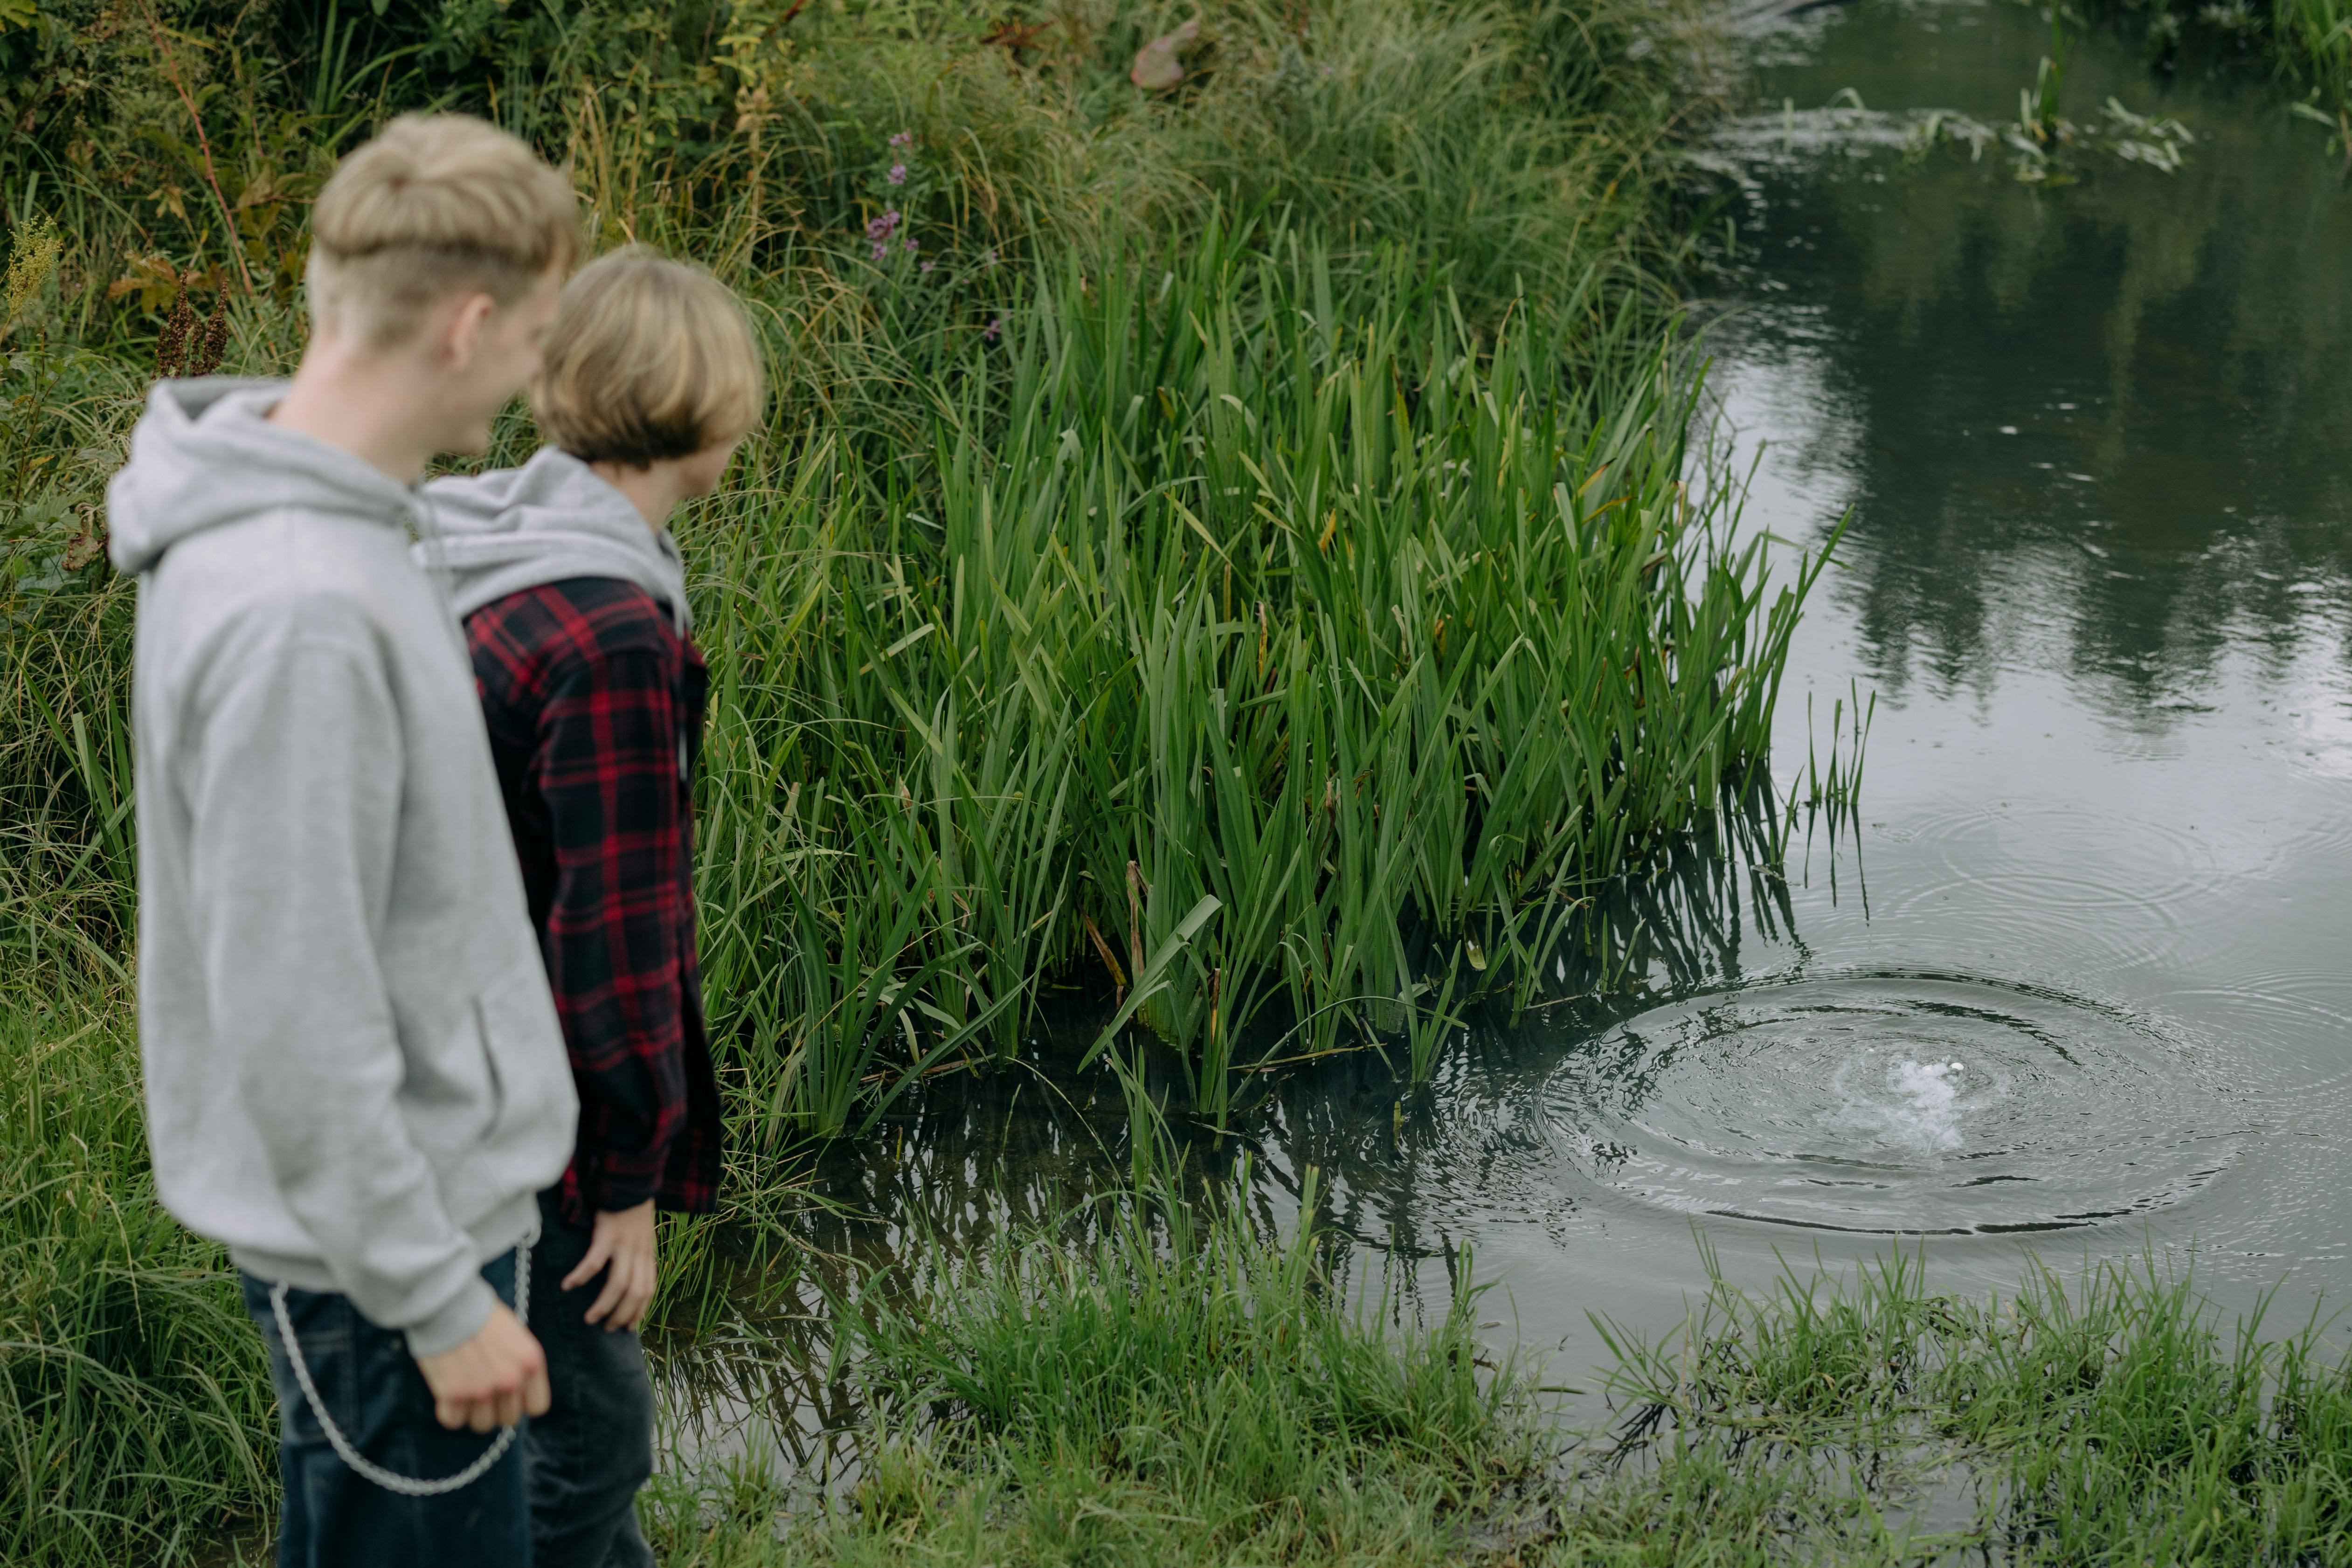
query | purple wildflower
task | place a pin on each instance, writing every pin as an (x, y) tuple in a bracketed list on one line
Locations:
[(990, 256), (881, 228), (995, 326), (927, 267), (880, 250), (898, 174), (912, 243), (904, 139)]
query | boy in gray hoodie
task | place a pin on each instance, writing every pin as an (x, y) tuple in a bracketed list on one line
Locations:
[(354, 1074)]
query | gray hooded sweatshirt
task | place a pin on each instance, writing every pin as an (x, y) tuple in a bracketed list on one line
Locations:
[(354, 1074), (550, 519)]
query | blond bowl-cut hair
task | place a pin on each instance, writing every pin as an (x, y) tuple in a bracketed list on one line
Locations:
[(437, 205), (649, 359)]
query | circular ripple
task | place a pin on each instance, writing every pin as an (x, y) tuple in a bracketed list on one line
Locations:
[(2089, 875), (1894, 1102)]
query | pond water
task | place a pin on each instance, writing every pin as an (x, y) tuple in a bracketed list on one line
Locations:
[(2075, 981)]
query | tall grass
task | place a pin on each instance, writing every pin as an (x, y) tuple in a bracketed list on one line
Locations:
[(2112, 1419), (1176, 1388), (2316, 37), (1285, 606), (135, 1414), (1355, 339)]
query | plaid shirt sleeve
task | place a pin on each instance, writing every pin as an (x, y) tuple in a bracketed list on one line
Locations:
[(581, 686), (608, 770)]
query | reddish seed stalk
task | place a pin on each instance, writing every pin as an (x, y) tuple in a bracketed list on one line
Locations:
[(205, 145), (215, 348), (171, 347)]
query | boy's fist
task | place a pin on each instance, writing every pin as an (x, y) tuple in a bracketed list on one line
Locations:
[(494, 1379)]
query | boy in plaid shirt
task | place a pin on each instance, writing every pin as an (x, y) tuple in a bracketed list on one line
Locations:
[(574, 598)]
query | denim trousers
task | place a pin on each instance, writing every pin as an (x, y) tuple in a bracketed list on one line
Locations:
[(594, 1447), (370, 1386)]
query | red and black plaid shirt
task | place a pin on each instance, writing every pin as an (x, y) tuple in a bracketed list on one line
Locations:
[(594, 706)]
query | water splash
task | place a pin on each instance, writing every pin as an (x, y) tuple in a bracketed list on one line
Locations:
[(1927, 1111), (1905, 1104)]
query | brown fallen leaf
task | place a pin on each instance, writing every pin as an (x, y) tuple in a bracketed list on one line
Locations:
[(1157, 67), (89, 544)]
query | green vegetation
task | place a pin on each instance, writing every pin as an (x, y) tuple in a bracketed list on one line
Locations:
[(1177, 1388), (2309, 42), (1233, 539), (1285, 619), (1172, 1388), (1225, 545), (2111, 1421), (135, 1410)]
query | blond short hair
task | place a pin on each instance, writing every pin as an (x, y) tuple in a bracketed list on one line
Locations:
[(649, 359), (436, 206)]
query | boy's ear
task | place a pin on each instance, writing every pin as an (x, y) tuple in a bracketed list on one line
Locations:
[(461, 328)]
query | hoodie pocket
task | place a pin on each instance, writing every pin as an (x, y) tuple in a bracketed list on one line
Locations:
[(522, 1043), (487, 1031)]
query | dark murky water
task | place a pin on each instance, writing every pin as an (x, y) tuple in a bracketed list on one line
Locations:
[(2077, 979)]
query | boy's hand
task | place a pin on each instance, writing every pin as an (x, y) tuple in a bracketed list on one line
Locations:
[(623, 1238), (493, 1379)]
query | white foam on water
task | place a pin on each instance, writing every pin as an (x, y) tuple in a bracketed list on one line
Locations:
[(1926, 1112)]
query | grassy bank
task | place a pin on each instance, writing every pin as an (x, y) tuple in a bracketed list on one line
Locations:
[(1188, 1389), (2110, 1418), (1169, 1384)]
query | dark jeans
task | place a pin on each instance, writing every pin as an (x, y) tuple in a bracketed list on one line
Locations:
[(371, 1389), (594, 1447)]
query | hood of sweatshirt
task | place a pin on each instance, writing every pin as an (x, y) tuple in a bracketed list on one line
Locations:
[(552, 518), (202, 455)]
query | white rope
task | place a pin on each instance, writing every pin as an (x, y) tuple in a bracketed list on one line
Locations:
[(405, 1486)]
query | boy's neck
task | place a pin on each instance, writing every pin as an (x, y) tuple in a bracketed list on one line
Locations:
[(654, 490), (373, 406)]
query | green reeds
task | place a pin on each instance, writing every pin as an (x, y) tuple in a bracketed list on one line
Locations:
[(2319, 34), (1283, 594), (2308, 42), (1834, 778)]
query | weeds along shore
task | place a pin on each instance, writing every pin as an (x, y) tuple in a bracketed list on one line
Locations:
[(1158, 1380), (1227, 546)]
